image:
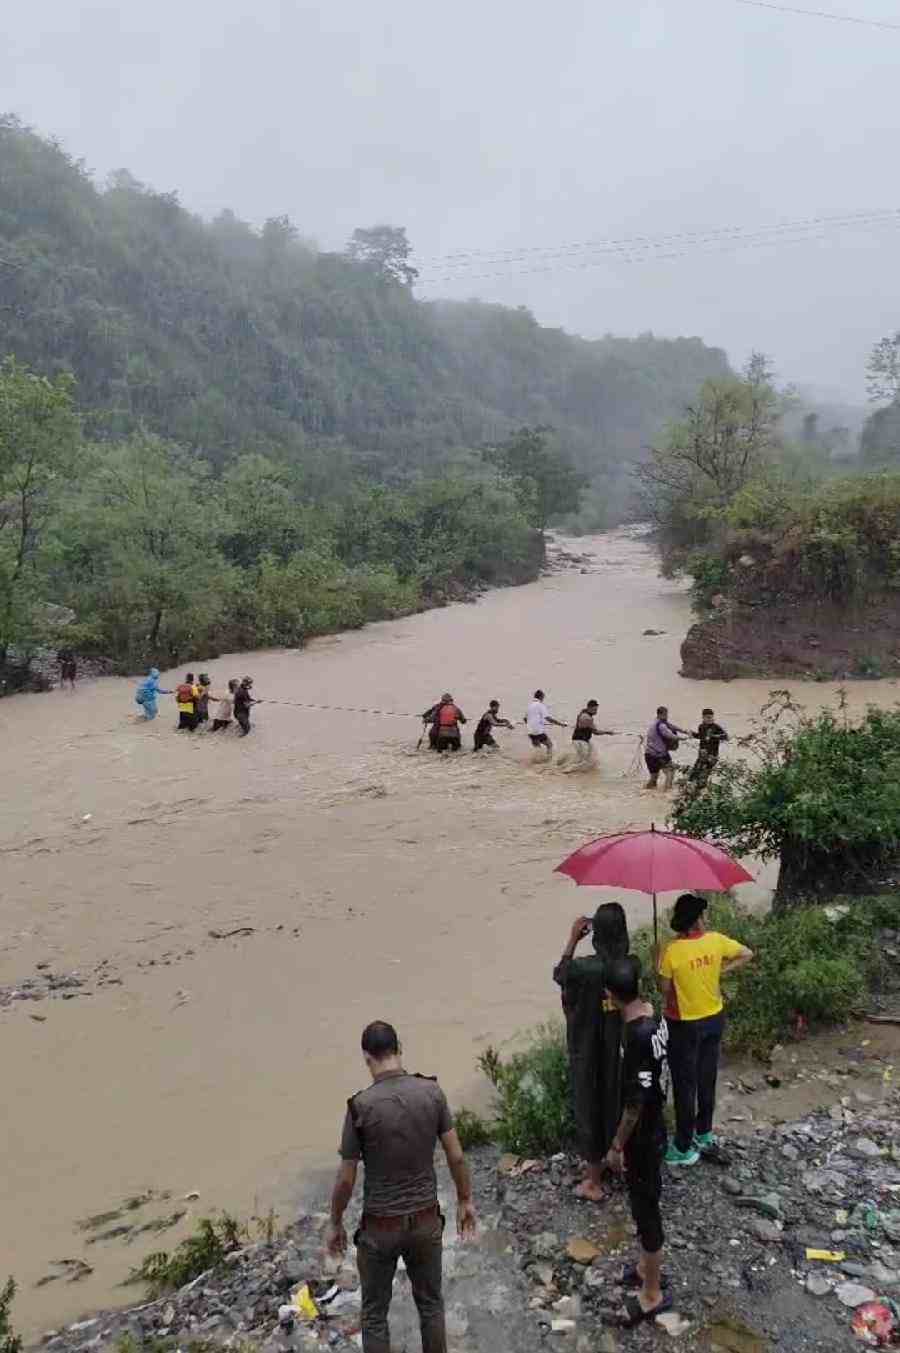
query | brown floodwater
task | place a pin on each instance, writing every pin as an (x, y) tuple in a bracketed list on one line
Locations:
[(378, 882)]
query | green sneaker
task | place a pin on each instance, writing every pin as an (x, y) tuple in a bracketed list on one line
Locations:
[(675, 1157), (704, 1140)]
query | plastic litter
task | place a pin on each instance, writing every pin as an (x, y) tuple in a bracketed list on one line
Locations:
[(877, 1323), (827, 1256), (304, 1304)]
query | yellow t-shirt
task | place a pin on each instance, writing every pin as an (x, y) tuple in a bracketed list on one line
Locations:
[(694, 964)]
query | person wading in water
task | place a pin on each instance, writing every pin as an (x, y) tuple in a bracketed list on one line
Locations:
[(594, 1038), (186, 694), (538, 718), (448, 719), (489, 720), (661, 741), (585, 729)]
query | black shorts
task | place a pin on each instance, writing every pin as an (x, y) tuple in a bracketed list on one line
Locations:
[(656, 763), (643, 1178), (484, 740), (449, 742), (539, 740)]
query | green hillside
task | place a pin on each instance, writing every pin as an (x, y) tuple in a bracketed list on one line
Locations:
[(225, 338)]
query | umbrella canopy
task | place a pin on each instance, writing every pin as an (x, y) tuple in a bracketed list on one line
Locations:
[(653, 862)]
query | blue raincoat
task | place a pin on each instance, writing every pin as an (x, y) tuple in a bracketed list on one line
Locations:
[(146, 693)]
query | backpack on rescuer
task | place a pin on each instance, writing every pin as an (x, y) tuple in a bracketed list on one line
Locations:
[(448, 715), (185, 693)]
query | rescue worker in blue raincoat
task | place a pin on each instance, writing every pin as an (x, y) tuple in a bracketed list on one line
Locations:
[(146, 693)]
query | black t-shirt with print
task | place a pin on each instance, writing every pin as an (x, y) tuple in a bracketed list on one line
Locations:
[(710, 735), (645, 1073)]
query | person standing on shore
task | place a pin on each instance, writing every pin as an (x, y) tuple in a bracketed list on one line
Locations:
[(393, 1127), (594, 1038), (690, 971), (640, 1138)]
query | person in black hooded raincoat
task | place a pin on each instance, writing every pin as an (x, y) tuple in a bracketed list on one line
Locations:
[(594, 1037)]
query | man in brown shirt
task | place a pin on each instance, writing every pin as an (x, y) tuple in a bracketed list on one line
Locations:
[(393, 1126)]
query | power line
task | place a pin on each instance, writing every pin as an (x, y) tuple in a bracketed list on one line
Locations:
[(703, 245), (463, 260), (821, 14)]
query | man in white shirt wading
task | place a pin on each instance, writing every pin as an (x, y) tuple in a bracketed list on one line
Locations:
[(537, 719)]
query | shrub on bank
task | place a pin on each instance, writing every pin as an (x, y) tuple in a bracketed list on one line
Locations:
[(533, 1110), (10, 1342)]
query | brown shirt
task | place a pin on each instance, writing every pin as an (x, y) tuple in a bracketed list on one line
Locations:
[(393, 1126)]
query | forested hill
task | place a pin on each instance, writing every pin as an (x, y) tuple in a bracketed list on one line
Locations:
[(225, 338)]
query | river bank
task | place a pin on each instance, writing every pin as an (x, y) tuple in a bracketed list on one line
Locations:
[(813, 1147), (203, 925), (795, 642)]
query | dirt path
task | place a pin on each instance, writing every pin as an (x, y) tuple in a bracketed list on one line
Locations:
[(364, 881)]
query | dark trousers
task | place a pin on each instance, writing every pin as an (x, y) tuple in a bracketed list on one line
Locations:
[(377, 1251), (643, 1177), (694, 1046), (186, 720), (243, 718)]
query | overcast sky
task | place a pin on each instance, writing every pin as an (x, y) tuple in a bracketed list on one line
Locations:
[(499, 126)]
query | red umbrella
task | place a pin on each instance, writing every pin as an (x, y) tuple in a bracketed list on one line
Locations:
[(653, 862)]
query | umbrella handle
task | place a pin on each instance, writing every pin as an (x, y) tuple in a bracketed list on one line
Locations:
[(655, 927)]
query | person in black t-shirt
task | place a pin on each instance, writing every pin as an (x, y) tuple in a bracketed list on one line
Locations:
[(484, 736), (639, 1143), (710, 735), (243, 699)]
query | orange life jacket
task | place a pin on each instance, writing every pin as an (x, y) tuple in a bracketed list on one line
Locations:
[(185, 693), (448, 715)]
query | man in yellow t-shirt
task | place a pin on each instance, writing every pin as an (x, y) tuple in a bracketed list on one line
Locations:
[(690, 970)]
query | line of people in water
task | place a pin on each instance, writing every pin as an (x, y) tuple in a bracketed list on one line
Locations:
[(444, 721), (193, 697)]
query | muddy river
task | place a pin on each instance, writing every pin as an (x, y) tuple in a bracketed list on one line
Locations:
[(364, 880)]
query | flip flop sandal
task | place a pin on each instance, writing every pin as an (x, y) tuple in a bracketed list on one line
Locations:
[(631, 1278), (636, 1315)]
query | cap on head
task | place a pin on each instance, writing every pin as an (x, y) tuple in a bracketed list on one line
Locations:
[(446, 696), (687, 912), (623, 978), (379, 1040), (708, 713), (592, 704), (247, 681)]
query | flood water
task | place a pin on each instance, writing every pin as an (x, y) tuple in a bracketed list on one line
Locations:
[(378, 883)]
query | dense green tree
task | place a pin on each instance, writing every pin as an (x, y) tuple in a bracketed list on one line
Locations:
[(137, 552), (544, 480), (822, 797), (225, 338), (39, 440), (386, 250)]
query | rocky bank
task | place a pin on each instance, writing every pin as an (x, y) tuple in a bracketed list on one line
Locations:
[(742, 1238)]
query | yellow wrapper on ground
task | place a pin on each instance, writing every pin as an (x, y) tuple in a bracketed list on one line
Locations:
[(303, 1300), (827, 1256)]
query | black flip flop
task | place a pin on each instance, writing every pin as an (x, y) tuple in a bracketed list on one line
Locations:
[(636, 1315), (631, 1278)]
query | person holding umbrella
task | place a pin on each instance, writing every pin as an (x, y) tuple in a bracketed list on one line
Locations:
[(594, 1037), (690, 970)]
